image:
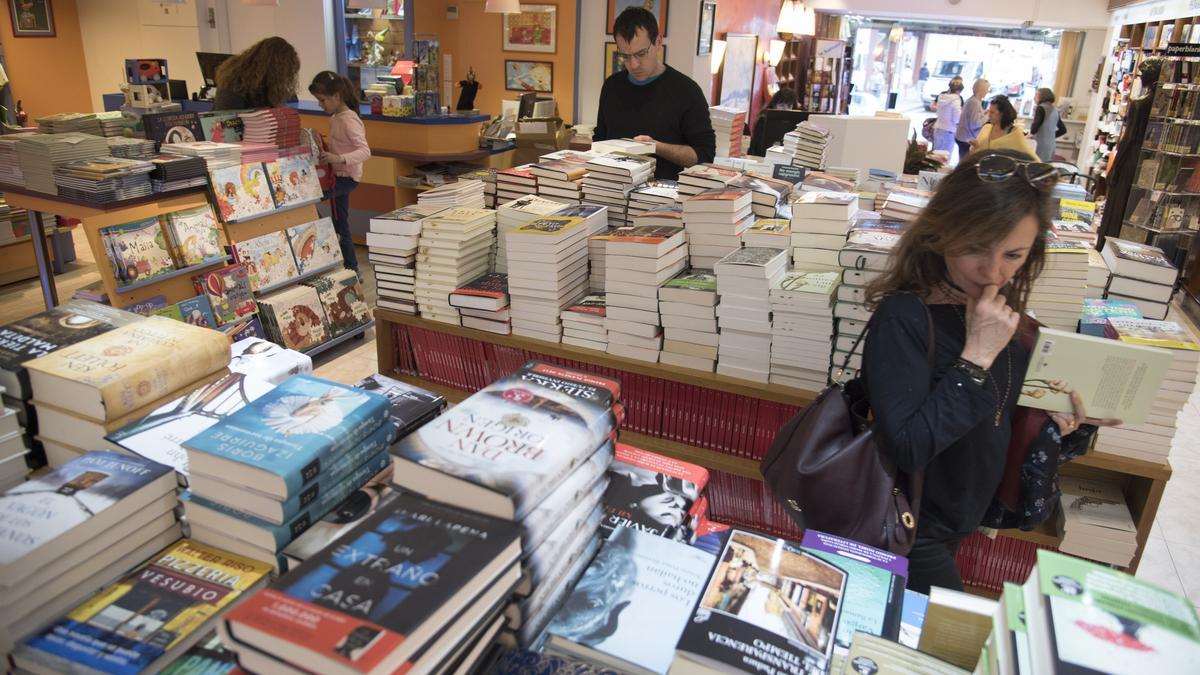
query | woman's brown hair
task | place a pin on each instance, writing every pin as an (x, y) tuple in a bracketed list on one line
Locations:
[(329, 83), (967, 215), (270, 68)]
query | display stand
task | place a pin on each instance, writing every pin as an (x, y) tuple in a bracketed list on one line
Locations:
[(670, 412)]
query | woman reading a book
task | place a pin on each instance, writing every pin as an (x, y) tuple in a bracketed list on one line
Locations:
[(266, 75), (970, 258)]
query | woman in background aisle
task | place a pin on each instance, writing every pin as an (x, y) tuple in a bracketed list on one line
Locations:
[(347, 150), (263, 76), (1047, 126), (972, 120), (966, 265), (949, 108), (1002, 131)]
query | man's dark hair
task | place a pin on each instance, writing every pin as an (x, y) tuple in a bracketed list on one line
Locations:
[(633, 18)]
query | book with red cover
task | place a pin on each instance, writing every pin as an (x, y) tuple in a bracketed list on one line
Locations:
[(488, 292), (717, 200), (371, 601), (591, 304), (652, 493)]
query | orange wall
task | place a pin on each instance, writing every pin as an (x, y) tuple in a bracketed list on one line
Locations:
[(748, 16), (474, 40), (49, 74)]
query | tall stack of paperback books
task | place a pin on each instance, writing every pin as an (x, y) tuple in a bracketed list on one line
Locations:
[(715, 220), (583, 323), (40, 154), (97, 516), (547, 270), (687, 306), (467, 194), (1141, 274), (819, 224), (455, 247), (515, 213), (806, 145), (216, 155), (515, 183), (700, 177), (12, 448), (637, 260), (561, 180), (769, 196), (904, 204), (486, 176), (610, 180), (1098, 275), (728, 124), (550, 487), (865, 256), (744, 281), (261, 476), (801, 328), (1056, 298), (654, 194), (392, 249), (483, 304), (1095, 521)]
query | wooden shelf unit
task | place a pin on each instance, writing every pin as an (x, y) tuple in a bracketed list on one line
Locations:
[(1142, 482)]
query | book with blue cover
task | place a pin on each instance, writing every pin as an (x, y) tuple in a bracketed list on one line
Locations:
[(279, 443), (197, 311)]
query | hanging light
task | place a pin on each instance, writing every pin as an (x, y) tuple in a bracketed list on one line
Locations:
[(896, 34), (775, 52), (807, 21), (789, 17), (718, 55), (502, 6)]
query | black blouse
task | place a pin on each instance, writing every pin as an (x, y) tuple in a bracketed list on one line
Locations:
[(948, 428)]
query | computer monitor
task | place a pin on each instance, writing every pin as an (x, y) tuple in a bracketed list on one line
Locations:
[(779, 122), (209, 62), (528, 104)]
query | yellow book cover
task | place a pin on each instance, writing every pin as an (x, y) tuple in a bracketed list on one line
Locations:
[(114, 373), (1117, 380), (151, 615), (1166, 334)]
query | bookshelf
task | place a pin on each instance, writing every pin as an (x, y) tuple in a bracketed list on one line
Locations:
[(455, 361), (815, 68)]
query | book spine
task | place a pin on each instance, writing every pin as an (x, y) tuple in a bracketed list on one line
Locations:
[(375, 432), (336, 492)]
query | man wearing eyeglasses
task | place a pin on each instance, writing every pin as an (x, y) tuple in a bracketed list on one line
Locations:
[(651, 102)]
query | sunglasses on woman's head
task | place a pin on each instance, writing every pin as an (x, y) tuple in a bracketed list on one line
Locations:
[(995, 168)]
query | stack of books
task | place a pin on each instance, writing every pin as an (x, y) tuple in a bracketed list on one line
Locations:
[(1096, 523), (279, 127), (551, 487), (821, 181), (611, 179), (1077, 230), (561, 179), (514, 214), (143, 364), (547, 269), (625, 145), (216, 155), (10, 160), (467, 194), (174, 172), (904, 204), (392, 249), (806, 145), (1056, 297), (487, 176), (583, 323), (715, 220), (515, 183), (112, 123), (728, 124), (637, 260), (131, 148), (820, 221), (69, 122), (769, 232), (655, 194), (97, 516), (865, 256), (802, 328), (744, 282), (1098, 275), (1097, 312), (12, 448), (847, 173), (483, 304), (700, 177), (1151, 440), (769, 196), (314, 443), (687, 306), (258, 152), (455, 247), (596, 261), (1141, 274), (40, 154), (103, 180)]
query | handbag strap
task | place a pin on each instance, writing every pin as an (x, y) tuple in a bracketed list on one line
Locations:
[(929, 350)]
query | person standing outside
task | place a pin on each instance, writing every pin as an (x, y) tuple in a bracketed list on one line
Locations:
[(949, 109), (347, 151), (972, 119), (652, 102)]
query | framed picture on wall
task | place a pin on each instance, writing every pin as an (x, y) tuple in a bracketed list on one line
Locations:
[(529, 75), (708, 19), (614, 64), (31, 18), (657, 7), (737, 75), (535, 29)]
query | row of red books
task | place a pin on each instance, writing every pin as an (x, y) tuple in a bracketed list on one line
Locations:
[(748, 502), (988, 563)]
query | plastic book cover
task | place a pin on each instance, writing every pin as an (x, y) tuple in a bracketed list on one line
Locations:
[(343, 298), (546, 421), (295, 179), (68, 496), (314, 245), (294, 428), (651, 493), (242, 191), (195, 234), (634, 600), (268, 259), (694, 280), (159, 436), (130, 626), (298, 315), (139, 249), (197, 311), (819, 198), (266, 360), (743, 608), (42, 333), (1142, 253), (674, 213), (357, 602), (228, 290), (409, 405)]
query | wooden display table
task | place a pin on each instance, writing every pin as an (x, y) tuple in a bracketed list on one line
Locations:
[(672, 410)]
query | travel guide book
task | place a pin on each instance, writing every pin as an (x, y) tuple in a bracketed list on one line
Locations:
[(505, 448)]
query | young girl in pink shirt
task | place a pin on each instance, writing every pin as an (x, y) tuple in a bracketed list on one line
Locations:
[(347, 150)]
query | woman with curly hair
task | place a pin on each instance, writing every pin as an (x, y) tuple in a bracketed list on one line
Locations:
[(264, 76)]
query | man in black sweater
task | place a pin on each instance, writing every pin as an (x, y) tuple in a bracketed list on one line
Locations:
[(650, 101)]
